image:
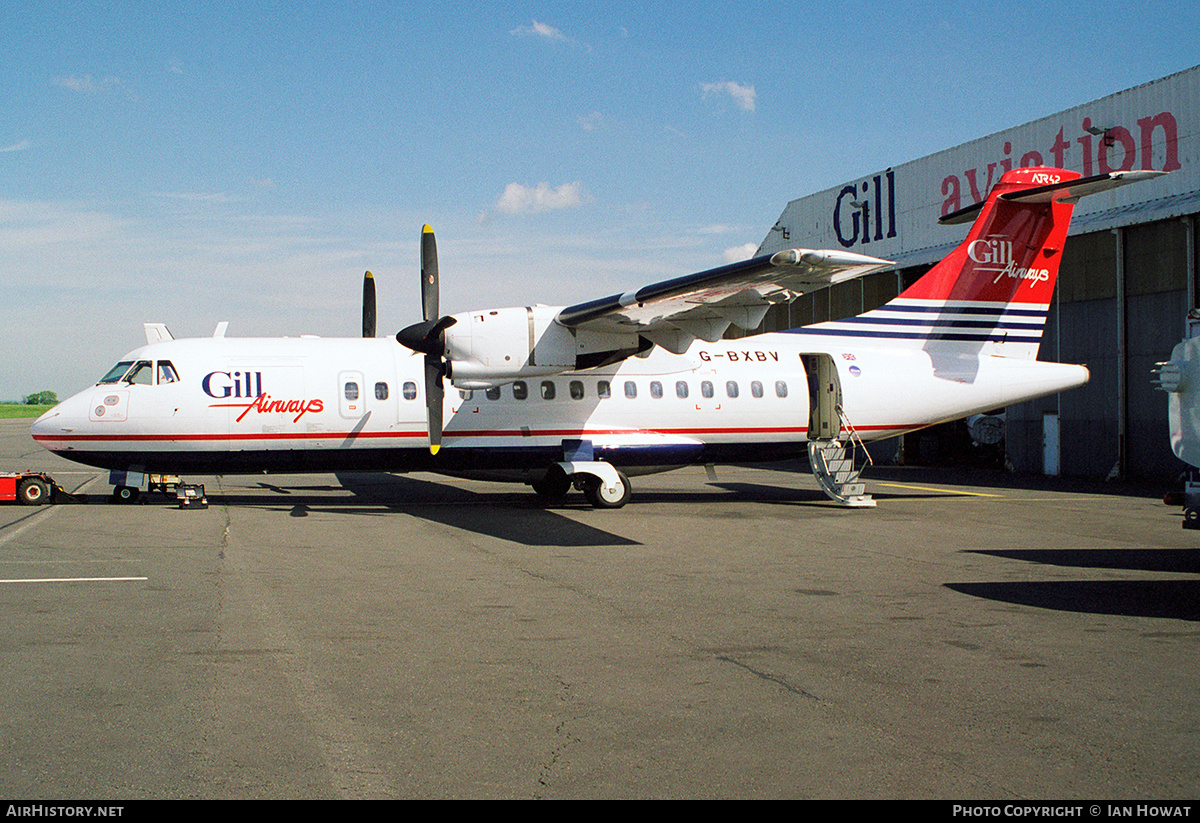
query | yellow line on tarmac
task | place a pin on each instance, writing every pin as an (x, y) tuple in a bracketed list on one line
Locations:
[(932, 489)]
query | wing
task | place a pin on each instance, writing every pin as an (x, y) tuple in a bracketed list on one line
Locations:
[(676, 312)]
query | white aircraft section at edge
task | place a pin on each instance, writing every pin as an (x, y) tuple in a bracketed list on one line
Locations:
[(592, 394)]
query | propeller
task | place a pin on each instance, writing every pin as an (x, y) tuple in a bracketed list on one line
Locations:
[(368, 305), (429, 338)]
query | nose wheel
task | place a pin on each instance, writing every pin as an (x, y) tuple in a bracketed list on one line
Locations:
[(125, 494)]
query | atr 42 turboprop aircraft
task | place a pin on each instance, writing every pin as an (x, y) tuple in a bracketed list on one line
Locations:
[(591, 394)]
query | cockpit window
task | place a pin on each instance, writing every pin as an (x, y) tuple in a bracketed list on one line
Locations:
[(116, 372), (142, 374), (166, 373)]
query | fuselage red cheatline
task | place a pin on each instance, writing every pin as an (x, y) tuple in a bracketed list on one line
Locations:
[(597, 392)]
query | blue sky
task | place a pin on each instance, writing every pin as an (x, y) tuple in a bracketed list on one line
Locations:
[(194, 162)]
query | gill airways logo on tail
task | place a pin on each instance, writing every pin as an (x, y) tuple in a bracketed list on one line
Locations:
[(996, 255)]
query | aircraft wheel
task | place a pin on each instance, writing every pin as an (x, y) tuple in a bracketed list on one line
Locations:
[(601, 498), (554, 485), (125, 494), (33, 492), (1191, 518)]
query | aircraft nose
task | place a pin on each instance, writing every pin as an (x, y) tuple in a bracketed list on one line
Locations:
[(64, 418), (48, 423)]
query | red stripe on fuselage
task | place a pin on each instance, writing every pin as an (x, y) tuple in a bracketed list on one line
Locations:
[(277, 436)]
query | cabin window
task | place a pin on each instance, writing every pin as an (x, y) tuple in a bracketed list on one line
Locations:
[(493, 393), (630, 389), (780, 388), (731, 388), (604, 389), (656, 390), (681, 389), (547, 389), (351, 390), (381, 391), (409, 390), (520, 390), (116, 372), (576, 388), (706, 389), (756, 388)]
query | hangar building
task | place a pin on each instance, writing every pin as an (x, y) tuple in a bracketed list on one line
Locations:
[(1127, 282)]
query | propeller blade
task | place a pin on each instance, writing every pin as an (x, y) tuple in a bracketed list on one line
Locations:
[(429, 274), (434, 398), (368, 305), (429, 338)]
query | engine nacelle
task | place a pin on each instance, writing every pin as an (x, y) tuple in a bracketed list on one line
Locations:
[(496, 346)]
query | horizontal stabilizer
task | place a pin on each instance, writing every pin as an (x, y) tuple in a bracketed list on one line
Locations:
[(1065, 190)]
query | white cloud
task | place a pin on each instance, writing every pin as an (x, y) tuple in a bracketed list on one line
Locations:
[(195, 196), (738, 253), (90, 85), (546, 32), (21, 146), (540, 30), (519, 199), (742, 95), (591, 122), (85, 84)]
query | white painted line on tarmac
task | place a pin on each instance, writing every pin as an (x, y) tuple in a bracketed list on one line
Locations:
[(73, 579), (39, 515)]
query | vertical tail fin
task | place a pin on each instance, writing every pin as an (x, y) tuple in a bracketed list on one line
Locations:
[(994, 290)]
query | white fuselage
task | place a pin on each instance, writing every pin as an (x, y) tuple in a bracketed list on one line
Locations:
[(230, 405)]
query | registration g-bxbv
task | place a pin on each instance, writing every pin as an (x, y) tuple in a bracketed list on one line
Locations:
[(44, 810)]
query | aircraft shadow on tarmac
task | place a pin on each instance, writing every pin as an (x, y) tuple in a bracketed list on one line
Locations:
[(516, 517), (1177, 599)]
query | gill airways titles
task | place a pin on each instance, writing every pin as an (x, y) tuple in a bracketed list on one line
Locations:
[(221, 385)]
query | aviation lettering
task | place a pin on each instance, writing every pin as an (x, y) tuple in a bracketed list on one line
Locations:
[(1156, 146)]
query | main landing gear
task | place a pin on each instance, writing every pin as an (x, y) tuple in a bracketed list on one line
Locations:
[(604, 486)]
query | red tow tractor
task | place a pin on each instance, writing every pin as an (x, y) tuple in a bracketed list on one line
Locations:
[(29, 488)]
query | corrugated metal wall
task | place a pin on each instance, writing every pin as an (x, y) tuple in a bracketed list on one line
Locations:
[(1126, 281)]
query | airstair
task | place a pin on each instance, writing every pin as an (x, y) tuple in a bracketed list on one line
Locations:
[(834, 445)]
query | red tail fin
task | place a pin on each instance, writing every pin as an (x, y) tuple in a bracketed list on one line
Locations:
[(993, 291), (1013, 250)]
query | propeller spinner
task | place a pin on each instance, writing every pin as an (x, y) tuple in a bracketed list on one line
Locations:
[(428, 337)]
